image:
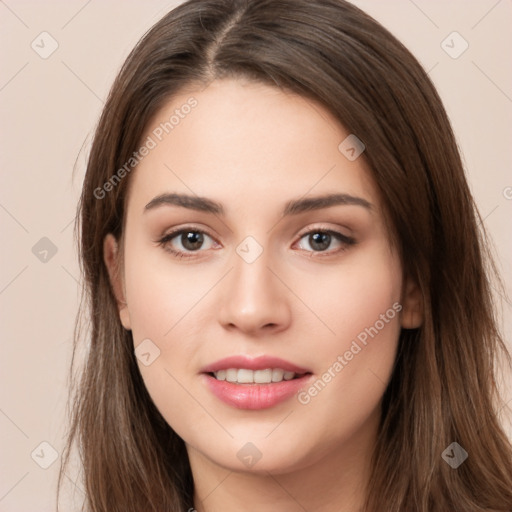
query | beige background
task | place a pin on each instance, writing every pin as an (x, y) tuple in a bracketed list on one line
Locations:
[(49, 108)]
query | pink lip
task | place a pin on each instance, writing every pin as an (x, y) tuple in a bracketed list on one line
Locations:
[(255, 396), (254, 363)]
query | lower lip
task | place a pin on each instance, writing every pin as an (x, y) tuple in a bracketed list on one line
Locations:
[(255, 396)]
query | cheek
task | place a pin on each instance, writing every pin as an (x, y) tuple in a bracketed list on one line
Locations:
[(353, 296), (159, 293), (164, 307), (362, 306)]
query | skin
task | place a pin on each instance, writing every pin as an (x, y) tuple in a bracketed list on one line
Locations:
[(252, 148)]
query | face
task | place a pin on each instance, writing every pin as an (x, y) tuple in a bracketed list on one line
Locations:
[(258, 279)]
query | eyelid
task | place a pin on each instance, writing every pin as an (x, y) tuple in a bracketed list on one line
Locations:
[(323, 228), (179, 230)]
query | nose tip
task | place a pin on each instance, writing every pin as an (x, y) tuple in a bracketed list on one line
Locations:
[(249, 325), (253, 300)]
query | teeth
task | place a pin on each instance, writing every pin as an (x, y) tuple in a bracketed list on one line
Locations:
[(245, 376), (232, 375), (277, 375), (263, 376)]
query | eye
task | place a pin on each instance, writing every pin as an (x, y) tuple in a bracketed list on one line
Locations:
[(319, 240), (184, 241)]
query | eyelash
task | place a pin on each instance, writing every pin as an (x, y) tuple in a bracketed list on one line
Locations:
[(346, 240)]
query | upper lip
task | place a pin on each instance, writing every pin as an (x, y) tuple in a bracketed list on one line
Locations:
[(253, 363)]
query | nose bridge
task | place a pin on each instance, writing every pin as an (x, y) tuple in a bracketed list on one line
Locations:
[(253, 297), (251, 274)]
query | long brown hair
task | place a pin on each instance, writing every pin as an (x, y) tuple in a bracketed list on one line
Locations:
[(443, 388)]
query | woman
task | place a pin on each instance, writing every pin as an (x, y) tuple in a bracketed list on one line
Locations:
[(288, 289)]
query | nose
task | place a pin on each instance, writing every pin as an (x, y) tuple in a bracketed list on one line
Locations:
[(253, 299)]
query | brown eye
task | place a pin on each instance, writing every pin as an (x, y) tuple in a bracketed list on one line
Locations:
[(185, 241), (320, 240), (192, 240)]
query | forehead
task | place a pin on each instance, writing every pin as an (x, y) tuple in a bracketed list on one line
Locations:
[(242, 142)]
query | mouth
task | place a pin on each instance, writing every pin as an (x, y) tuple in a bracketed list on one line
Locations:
[(254, 383), (247, 376)]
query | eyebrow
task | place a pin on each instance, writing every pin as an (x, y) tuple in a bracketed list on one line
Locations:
[(292, 207)]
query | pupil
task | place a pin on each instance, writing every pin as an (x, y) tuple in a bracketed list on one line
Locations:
[(321, 240), (192, 240)]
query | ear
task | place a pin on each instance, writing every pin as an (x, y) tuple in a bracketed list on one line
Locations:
[(111, 257), (412, 305)]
